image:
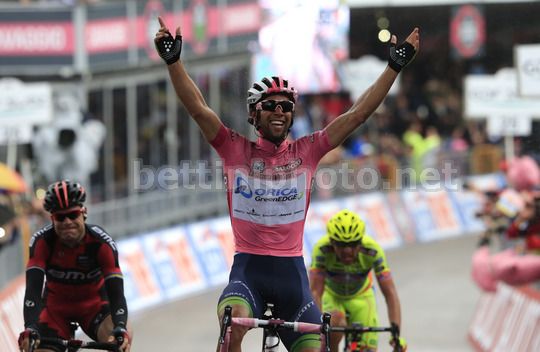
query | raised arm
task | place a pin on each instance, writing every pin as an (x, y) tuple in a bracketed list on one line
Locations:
[(339, 129), (187, 91)]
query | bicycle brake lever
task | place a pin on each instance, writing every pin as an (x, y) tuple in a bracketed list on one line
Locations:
[(225, 323), (325, 329)]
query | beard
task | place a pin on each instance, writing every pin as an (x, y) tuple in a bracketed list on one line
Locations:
[(276, 138)]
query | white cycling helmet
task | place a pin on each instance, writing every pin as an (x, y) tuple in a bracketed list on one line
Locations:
[(269, 86)]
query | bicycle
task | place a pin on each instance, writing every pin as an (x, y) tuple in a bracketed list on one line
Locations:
[(73, 345), (271, 326), (354, 332)]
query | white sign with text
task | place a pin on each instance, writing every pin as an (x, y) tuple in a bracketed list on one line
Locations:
[(489, 95), (24, 103), (509, 125), (527, 62)]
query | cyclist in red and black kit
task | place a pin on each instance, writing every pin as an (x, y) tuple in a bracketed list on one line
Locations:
[(84, 282)]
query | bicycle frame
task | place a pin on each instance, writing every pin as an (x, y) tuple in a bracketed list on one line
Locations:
[(353, 332), (271, 326)]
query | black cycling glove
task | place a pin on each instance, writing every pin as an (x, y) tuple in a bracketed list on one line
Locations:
[(29, 332), (169, 48), (120, 334), (401, 55)]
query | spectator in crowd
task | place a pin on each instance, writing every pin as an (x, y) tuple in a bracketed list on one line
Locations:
[(526, 225)]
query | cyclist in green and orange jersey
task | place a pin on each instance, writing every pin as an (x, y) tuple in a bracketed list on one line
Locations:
[(344, 262)]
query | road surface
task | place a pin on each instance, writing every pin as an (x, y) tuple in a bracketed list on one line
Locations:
[(437, 296)]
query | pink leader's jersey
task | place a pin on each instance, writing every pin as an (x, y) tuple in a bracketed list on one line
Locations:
[(268, 189)]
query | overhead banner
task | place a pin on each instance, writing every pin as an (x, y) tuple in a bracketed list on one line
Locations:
[(108, 35), (527, 63)]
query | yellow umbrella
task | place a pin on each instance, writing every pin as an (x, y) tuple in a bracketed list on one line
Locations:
[(11, 180)]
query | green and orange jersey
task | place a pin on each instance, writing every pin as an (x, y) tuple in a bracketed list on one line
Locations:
[(349, 280)]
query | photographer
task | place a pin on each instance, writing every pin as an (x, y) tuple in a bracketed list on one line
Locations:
[(495, 221), (527, 224)]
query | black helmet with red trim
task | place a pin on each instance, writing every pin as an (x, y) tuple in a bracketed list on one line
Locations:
[(63, 195), (269, 86)]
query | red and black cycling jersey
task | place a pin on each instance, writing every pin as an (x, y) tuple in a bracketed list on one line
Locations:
[(73, 275)]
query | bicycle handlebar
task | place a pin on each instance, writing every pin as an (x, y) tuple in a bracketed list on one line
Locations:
[(78, 344), (295, 326), (358, 329), (323, 329)]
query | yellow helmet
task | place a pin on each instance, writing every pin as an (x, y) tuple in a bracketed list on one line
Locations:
[(346, 226)]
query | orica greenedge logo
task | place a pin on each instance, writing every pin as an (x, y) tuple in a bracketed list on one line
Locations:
[(283, 194)]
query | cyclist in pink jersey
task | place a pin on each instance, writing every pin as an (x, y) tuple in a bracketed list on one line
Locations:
[(268, 186)]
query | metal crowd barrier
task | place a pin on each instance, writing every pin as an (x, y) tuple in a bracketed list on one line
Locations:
[(157, 209)]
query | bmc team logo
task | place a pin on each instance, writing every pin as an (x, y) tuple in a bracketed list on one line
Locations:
[(199, 20), (277, 194)]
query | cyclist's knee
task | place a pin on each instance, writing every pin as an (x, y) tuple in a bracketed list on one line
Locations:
[(238, 311), (106, 327), (307, 343), (240, 307), (338, 318), (335, 339)]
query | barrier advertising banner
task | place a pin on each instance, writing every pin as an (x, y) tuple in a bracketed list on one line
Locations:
[(434, 214), (507, 320), (172, 258), (140, 280)]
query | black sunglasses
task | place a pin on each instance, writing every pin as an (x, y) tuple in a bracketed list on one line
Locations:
[(346, 244), (271, 105), (72, 215)]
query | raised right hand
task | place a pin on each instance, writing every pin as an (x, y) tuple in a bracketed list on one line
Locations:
[(168, 48), (403, 54)]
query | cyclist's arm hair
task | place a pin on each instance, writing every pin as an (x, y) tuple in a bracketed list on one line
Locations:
[(32, 296), (393, 305), (193, 100), (316, 285), (341, 127)]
